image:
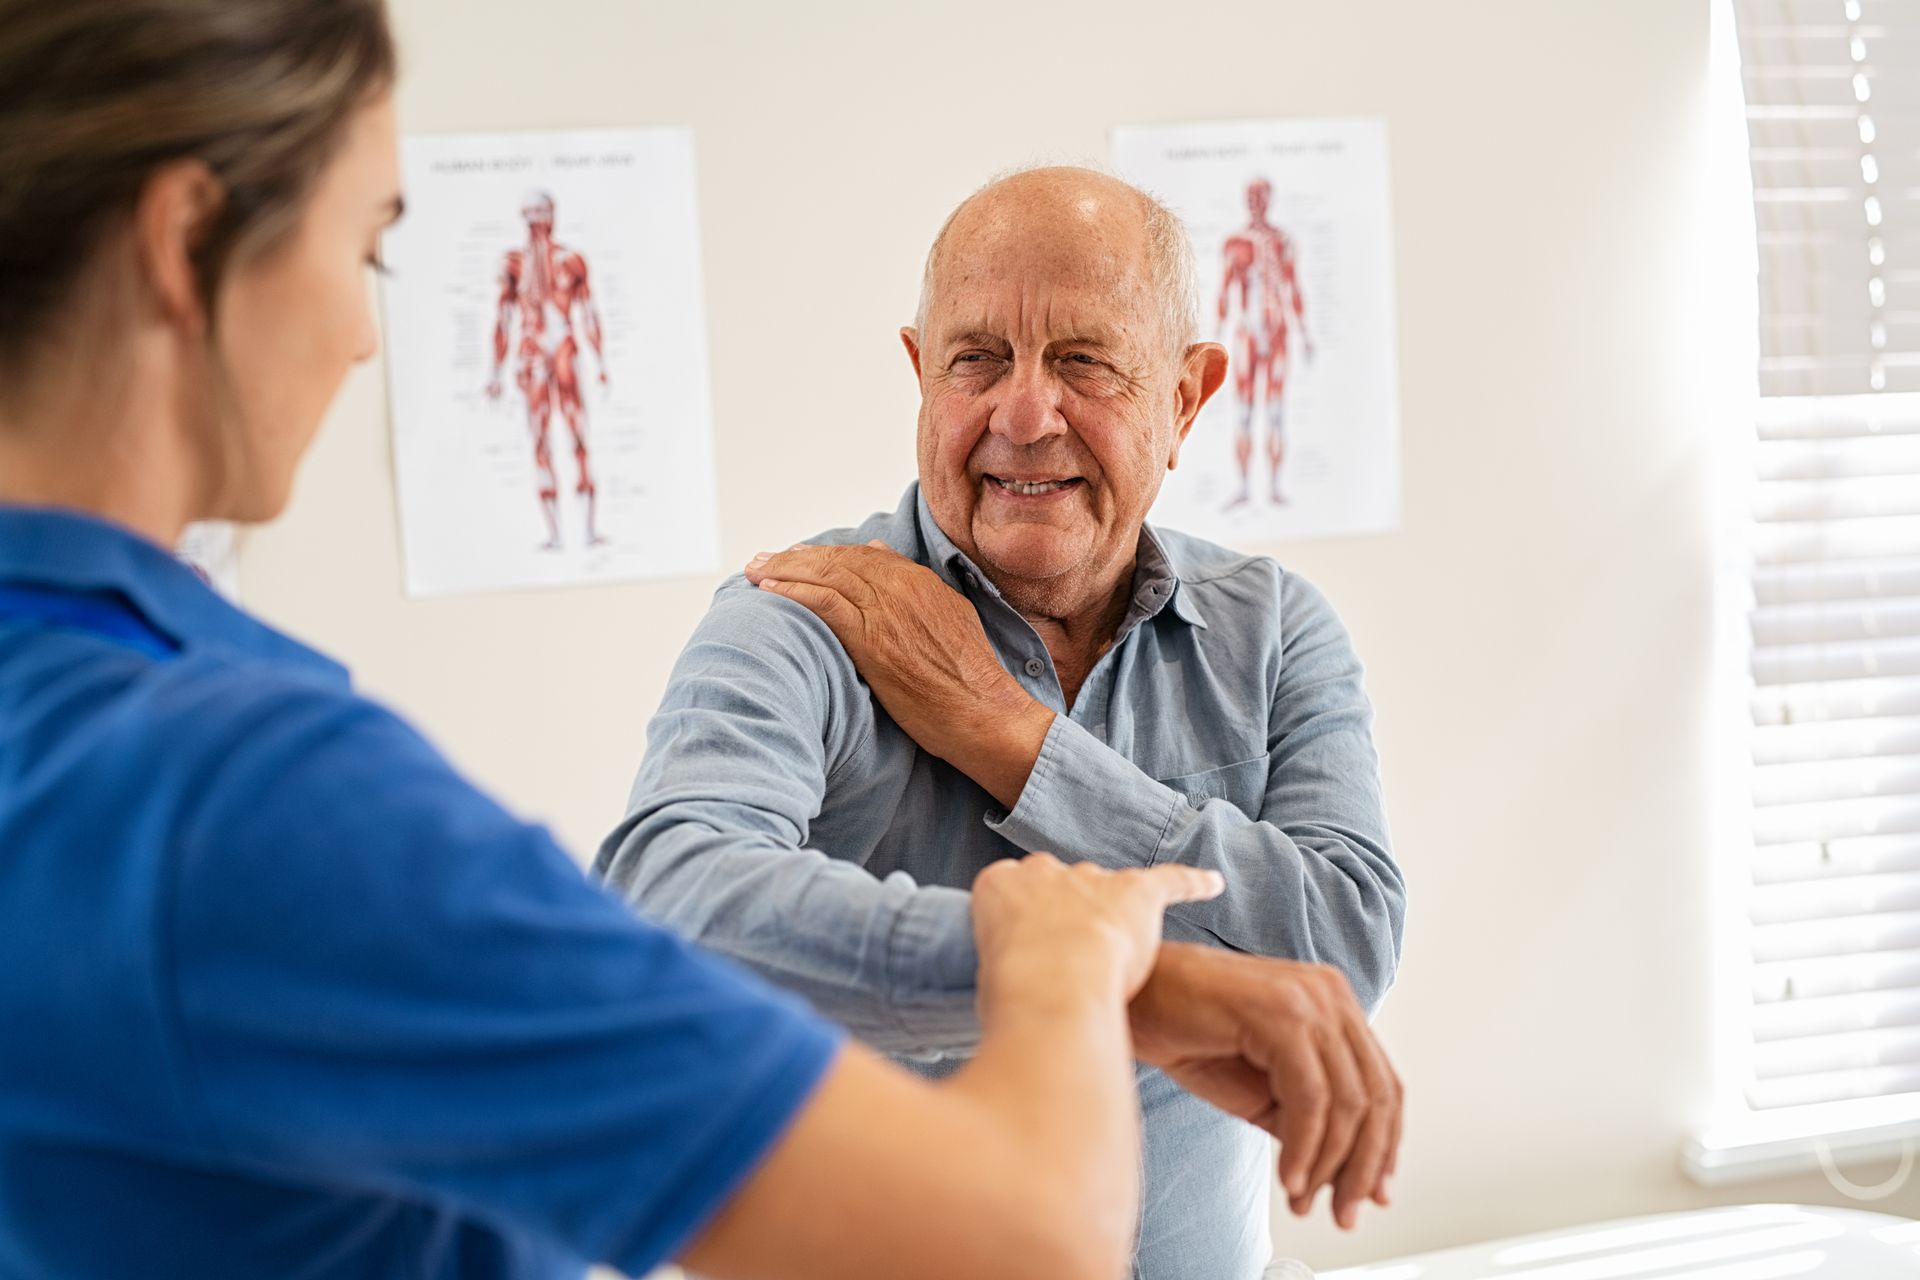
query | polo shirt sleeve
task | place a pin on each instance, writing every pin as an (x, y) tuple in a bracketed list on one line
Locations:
[(382, 981)]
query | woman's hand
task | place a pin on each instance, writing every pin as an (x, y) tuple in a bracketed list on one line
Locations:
[(1037, 919)]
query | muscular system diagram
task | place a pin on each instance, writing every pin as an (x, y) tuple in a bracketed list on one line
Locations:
[(1260, 289), (544, 290)]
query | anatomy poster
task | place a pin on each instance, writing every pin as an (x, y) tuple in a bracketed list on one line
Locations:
[(1293, 241), (547, 358)]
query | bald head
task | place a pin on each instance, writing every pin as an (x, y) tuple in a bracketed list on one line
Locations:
[(1082, 217), (1058, 379)]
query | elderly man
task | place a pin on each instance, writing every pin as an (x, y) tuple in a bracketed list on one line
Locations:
[(1014, 661)]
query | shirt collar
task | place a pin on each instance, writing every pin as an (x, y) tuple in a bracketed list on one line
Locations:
[(1156, 577), (72, 551), (1156, 567), (950, 562)]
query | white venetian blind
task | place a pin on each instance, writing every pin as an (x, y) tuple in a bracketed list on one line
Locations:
[(1833, 114)]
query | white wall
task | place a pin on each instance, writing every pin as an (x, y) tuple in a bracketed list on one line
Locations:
[(1537, 638)]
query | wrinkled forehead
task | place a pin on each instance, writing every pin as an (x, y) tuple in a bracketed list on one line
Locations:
[(1044, 273)]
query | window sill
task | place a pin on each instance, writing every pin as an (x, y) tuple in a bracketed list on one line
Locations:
[(1757, 1146)]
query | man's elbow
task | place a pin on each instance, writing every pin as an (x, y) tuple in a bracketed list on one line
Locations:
[(1376, 961), (644, 869)]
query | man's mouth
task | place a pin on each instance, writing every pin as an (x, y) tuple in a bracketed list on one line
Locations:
[(1034, 488)]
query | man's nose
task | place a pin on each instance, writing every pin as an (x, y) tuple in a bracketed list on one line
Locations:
[(1029, 407)]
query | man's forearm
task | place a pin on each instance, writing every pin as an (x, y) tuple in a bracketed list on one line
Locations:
[(1312, 888), (999, 753), (892, 961)]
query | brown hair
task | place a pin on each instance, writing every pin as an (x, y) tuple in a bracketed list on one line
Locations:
[(96, 94)]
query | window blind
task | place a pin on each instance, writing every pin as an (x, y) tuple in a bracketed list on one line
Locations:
[(1832, 93), (1833, 119)]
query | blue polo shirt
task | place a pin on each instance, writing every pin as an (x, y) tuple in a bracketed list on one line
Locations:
[(282, 995)]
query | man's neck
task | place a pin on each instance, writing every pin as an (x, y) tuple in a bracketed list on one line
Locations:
[(1077, 632)]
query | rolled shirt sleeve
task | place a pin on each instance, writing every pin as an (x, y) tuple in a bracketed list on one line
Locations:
[(1310, 878), (761, 710)]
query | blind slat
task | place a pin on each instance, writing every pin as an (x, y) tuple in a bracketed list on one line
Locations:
[(1824, 977), (1833, 819), (1831, 939), (1828, 859)]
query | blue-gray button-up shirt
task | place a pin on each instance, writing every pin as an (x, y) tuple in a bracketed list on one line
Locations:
[(782, 817)]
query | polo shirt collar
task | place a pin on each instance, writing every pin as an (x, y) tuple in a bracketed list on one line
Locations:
[(1156, 577), (75, 551)]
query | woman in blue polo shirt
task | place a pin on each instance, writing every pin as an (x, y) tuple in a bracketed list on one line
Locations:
[(280, 994)]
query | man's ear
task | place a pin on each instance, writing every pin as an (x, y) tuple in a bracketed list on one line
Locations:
[(1203, 370), (910, 339), (170, 221)]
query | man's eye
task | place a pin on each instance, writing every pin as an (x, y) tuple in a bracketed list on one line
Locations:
[(971, 357), (1083, 358)]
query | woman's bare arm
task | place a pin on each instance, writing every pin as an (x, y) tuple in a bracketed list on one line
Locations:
[(1026, 1162)]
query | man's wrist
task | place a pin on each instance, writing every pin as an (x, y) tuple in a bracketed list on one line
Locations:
[(1006, 744), (1166, 1019)]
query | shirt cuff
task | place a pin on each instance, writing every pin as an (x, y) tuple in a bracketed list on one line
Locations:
[(933, 969), (1085, 802)]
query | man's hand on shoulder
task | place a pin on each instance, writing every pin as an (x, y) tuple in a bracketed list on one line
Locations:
[(1285, 1046), (920, 647)]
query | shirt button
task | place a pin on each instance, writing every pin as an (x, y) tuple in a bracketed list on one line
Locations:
[(1036, 668)]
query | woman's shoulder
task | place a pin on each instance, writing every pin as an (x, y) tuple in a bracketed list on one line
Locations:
[(137, 734)]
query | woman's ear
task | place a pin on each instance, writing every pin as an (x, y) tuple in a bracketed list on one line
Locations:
[(171, 220)]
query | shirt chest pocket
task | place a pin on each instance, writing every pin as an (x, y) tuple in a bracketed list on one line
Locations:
[(1242, 785)]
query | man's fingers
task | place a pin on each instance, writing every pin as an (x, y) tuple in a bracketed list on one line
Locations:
[(796, 568), (1300, 1082), (800, 563), (1359, 1180), (856, 572), (1393, 1144), (1393, 1152), (831, 607), (1389, 1100), (813, 560), (1346, 1108), (1360, 1177)]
